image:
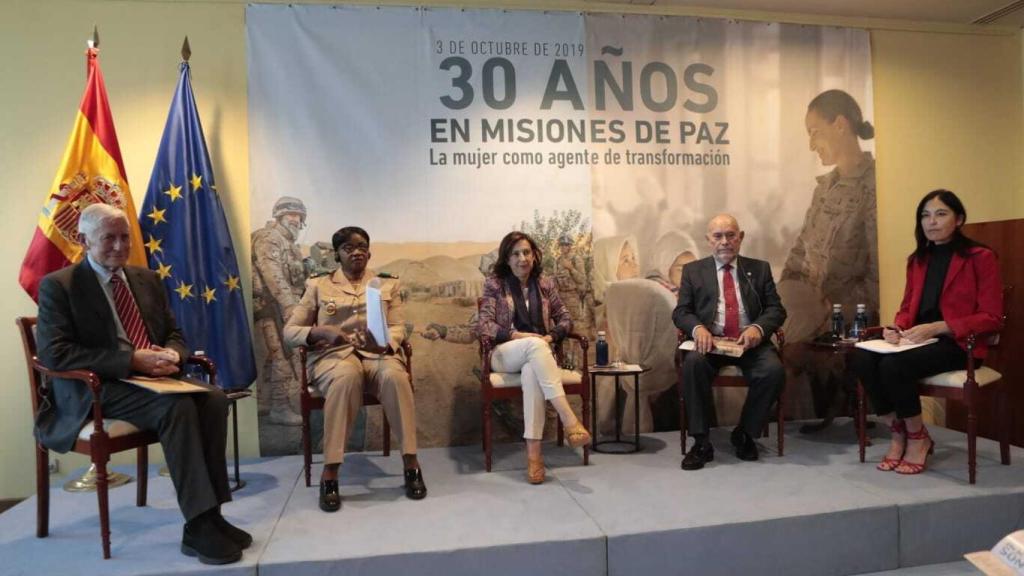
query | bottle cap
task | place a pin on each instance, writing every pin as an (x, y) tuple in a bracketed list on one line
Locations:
[(600, 332), (862, 307), (837, 307), (199, 353)]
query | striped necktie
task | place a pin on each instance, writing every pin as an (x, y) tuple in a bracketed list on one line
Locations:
[(732, 305), (129, 314)]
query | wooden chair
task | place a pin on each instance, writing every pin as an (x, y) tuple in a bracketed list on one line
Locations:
[(310, 399), (508, 386), (731, 377), (965, 386), (98, 441)]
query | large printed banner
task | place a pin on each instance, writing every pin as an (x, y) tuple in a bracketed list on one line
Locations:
[(611, 139)]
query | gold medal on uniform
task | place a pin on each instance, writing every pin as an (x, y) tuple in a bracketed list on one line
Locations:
[(331, 308)]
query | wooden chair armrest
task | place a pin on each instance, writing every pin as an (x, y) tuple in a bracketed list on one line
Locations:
[(486, 346), (872, 333), (208, 366), (584, 342), (90, 378)]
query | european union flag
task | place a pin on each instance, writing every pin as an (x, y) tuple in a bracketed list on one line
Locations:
[(189, 245)]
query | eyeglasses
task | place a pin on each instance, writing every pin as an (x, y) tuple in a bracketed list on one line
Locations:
[(350, 248)]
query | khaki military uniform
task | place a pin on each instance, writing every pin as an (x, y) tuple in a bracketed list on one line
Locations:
[(462, 333), (836, 253), (834, 261), (571, 279), (278, 278), (343, 373)]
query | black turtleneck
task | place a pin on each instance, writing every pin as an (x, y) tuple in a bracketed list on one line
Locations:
[(939, 256)]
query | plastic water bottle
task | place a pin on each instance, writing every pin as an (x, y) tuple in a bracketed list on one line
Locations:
[(838, 323), (195, 371), (860, 322), (602, 349)]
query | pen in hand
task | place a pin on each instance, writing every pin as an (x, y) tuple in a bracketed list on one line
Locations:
[(893, 334)]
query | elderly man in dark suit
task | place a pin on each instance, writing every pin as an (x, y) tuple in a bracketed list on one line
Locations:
[(727, 295), (114, 320)]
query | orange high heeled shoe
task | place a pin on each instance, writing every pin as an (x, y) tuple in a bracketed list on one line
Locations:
[(911, 468), (577, 435), (535, 470)]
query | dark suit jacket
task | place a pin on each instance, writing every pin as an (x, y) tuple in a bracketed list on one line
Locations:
[(971, 298), (698, 295), (76, 330)]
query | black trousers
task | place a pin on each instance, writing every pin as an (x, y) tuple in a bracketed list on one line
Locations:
[(193, 432), (765, 377), (891, 379)]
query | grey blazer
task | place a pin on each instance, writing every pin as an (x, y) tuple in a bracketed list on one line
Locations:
[(698, 295), (76, 330)]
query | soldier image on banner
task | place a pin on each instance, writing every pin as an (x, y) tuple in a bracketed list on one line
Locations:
[(573, 285), (278, 278)]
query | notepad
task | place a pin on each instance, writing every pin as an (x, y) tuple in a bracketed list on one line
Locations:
[(722, 346), (376, 316), (165, 385), (883, 347)]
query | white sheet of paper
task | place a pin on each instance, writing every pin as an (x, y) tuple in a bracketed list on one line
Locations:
[(883, 347), (376, 316)]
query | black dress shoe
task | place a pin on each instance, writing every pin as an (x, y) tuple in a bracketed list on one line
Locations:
[(201, 538), (234, 533), (330, 498), (747, 450), (698, 456), (415, 489), (737, 437)]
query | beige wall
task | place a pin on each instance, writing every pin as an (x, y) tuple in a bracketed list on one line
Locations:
[(948, 105), (44, 72), (948, 112)]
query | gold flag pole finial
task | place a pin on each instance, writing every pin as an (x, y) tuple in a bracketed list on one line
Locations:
[(186, 51), (92, 48)]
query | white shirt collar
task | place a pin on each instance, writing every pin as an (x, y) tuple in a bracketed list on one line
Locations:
[(719, 264), (104, 274)]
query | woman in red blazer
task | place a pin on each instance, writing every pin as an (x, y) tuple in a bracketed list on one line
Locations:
[(953, 289)]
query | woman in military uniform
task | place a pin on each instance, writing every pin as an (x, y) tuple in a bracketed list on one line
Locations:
[(345, 360), (835, 257)]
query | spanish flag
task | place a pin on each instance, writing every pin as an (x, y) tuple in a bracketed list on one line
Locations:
[(91, 171)]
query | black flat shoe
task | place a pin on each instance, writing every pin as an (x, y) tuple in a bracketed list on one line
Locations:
[(737, 437), (698, 456), (330, 498), (201, 539), (234, 533), (415, 489)]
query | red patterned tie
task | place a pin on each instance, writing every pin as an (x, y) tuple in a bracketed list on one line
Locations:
[(732, 307), (129, 314)]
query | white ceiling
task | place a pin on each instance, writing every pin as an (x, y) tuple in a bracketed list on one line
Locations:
[(952, 11)]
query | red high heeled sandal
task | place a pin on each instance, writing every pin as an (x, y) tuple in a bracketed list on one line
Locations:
[(910, 468), (887, 464)]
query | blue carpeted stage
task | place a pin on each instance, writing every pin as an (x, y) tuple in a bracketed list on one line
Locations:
[(815, 511)]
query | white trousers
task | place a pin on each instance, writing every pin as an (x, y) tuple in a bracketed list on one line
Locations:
[(541, 378)]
